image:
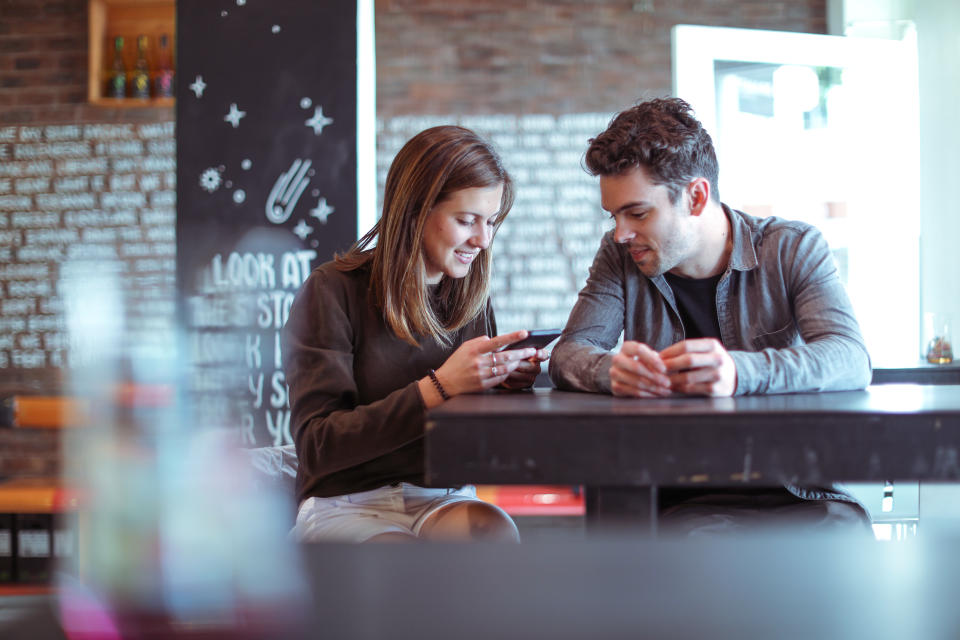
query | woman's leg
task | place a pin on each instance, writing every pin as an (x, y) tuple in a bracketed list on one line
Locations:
[(470, 521), (393, 537), (365, 517)]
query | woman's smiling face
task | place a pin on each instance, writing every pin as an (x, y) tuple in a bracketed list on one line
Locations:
[(458, 229)]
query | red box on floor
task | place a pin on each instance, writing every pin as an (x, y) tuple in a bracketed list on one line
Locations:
[(535, 500)]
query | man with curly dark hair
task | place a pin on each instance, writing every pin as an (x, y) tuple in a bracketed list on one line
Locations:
[(710, 301)]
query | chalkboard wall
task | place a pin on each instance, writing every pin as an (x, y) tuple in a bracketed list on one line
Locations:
[(266, 189)]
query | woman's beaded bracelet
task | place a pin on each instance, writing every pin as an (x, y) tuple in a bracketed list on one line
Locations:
[(436, 383)]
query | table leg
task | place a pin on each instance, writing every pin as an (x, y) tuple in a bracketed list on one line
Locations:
[(622, 509)]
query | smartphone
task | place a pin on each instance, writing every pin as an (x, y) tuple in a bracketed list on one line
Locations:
[(537, 338)]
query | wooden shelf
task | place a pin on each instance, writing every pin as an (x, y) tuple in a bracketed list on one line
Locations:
[(128, 18), (133, 103)]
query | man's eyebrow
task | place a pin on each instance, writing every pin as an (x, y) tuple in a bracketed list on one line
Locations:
[(631, 205)]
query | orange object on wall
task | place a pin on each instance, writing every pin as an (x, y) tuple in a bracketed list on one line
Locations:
[(49, 411)]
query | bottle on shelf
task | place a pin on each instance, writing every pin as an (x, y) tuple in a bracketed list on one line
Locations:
[(163, 83), (117, 80), (140, 81)]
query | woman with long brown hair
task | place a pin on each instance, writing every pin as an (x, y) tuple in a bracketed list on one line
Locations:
[(394, 327)]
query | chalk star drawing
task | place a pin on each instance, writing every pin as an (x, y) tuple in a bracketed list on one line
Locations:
[(318, 121), (198, 86), (286, 191), (275, 28), (234, 116), (302, 230), (322, 211), (239, 196), (210, 180)]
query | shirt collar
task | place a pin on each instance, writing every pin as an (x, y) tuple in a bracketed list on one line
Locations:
[(743, 256)]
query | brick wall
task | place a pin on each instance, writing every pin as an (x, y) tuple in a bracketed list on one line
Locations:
[(75, 180), (547, 56)]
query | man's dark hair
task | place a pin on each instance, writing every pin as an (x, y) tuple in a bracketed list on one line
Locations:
[(664, 138)]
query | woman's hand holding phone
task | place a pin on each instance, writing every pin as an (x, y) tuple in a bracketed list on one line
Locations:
[(527, 371), (481, 363)]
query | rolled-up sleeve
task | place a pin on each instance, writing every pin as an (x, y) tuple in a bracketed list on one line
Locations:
[(581, 360)]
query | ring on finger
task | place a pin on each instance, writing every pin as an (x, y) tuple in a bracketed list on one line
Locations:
[(493, 358), (493, 370)]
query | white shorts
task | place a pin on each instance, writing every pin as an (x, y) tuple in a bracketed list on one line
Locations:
[(357, 517)]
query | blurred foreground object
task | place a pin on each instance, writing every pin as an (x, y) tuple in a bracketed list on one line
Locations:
[(177, 540), (777, 586)]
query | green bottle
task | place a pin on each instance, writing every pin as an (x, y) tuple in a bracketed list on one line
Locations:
[(163, 83), (140, 82), (117, 82)]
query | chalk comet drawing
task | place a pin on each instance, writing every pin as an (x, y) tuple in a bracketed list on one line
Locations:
[(286, 191)]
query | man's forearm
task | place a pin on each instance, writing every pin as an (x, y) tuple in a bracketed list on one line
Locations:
[(575, 366), (832, 363)]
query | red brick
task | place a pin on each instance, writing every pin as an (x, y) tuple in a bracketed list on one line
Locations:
[(74, 60), (66, 43), (37, 97), (57, 114), (72, 96), (17, 116), (16, 44), (26, 63), (65, 8), (13, 9), (8, 80), (64, 77), (49, 27)]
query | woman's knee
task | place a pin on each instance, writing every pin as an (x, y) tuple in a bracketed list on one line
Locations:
[(470, 521)]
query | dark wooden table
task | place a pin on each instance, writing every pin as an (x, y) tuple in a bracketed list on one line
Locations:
[(919, 373), (623, 449)]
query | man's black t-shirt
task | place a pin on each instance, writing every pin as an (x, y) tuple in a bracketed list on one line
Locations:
[(697, 304)]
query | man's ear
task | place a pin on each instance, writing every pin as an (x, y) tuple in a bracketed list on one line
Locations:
[(699, 193)]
